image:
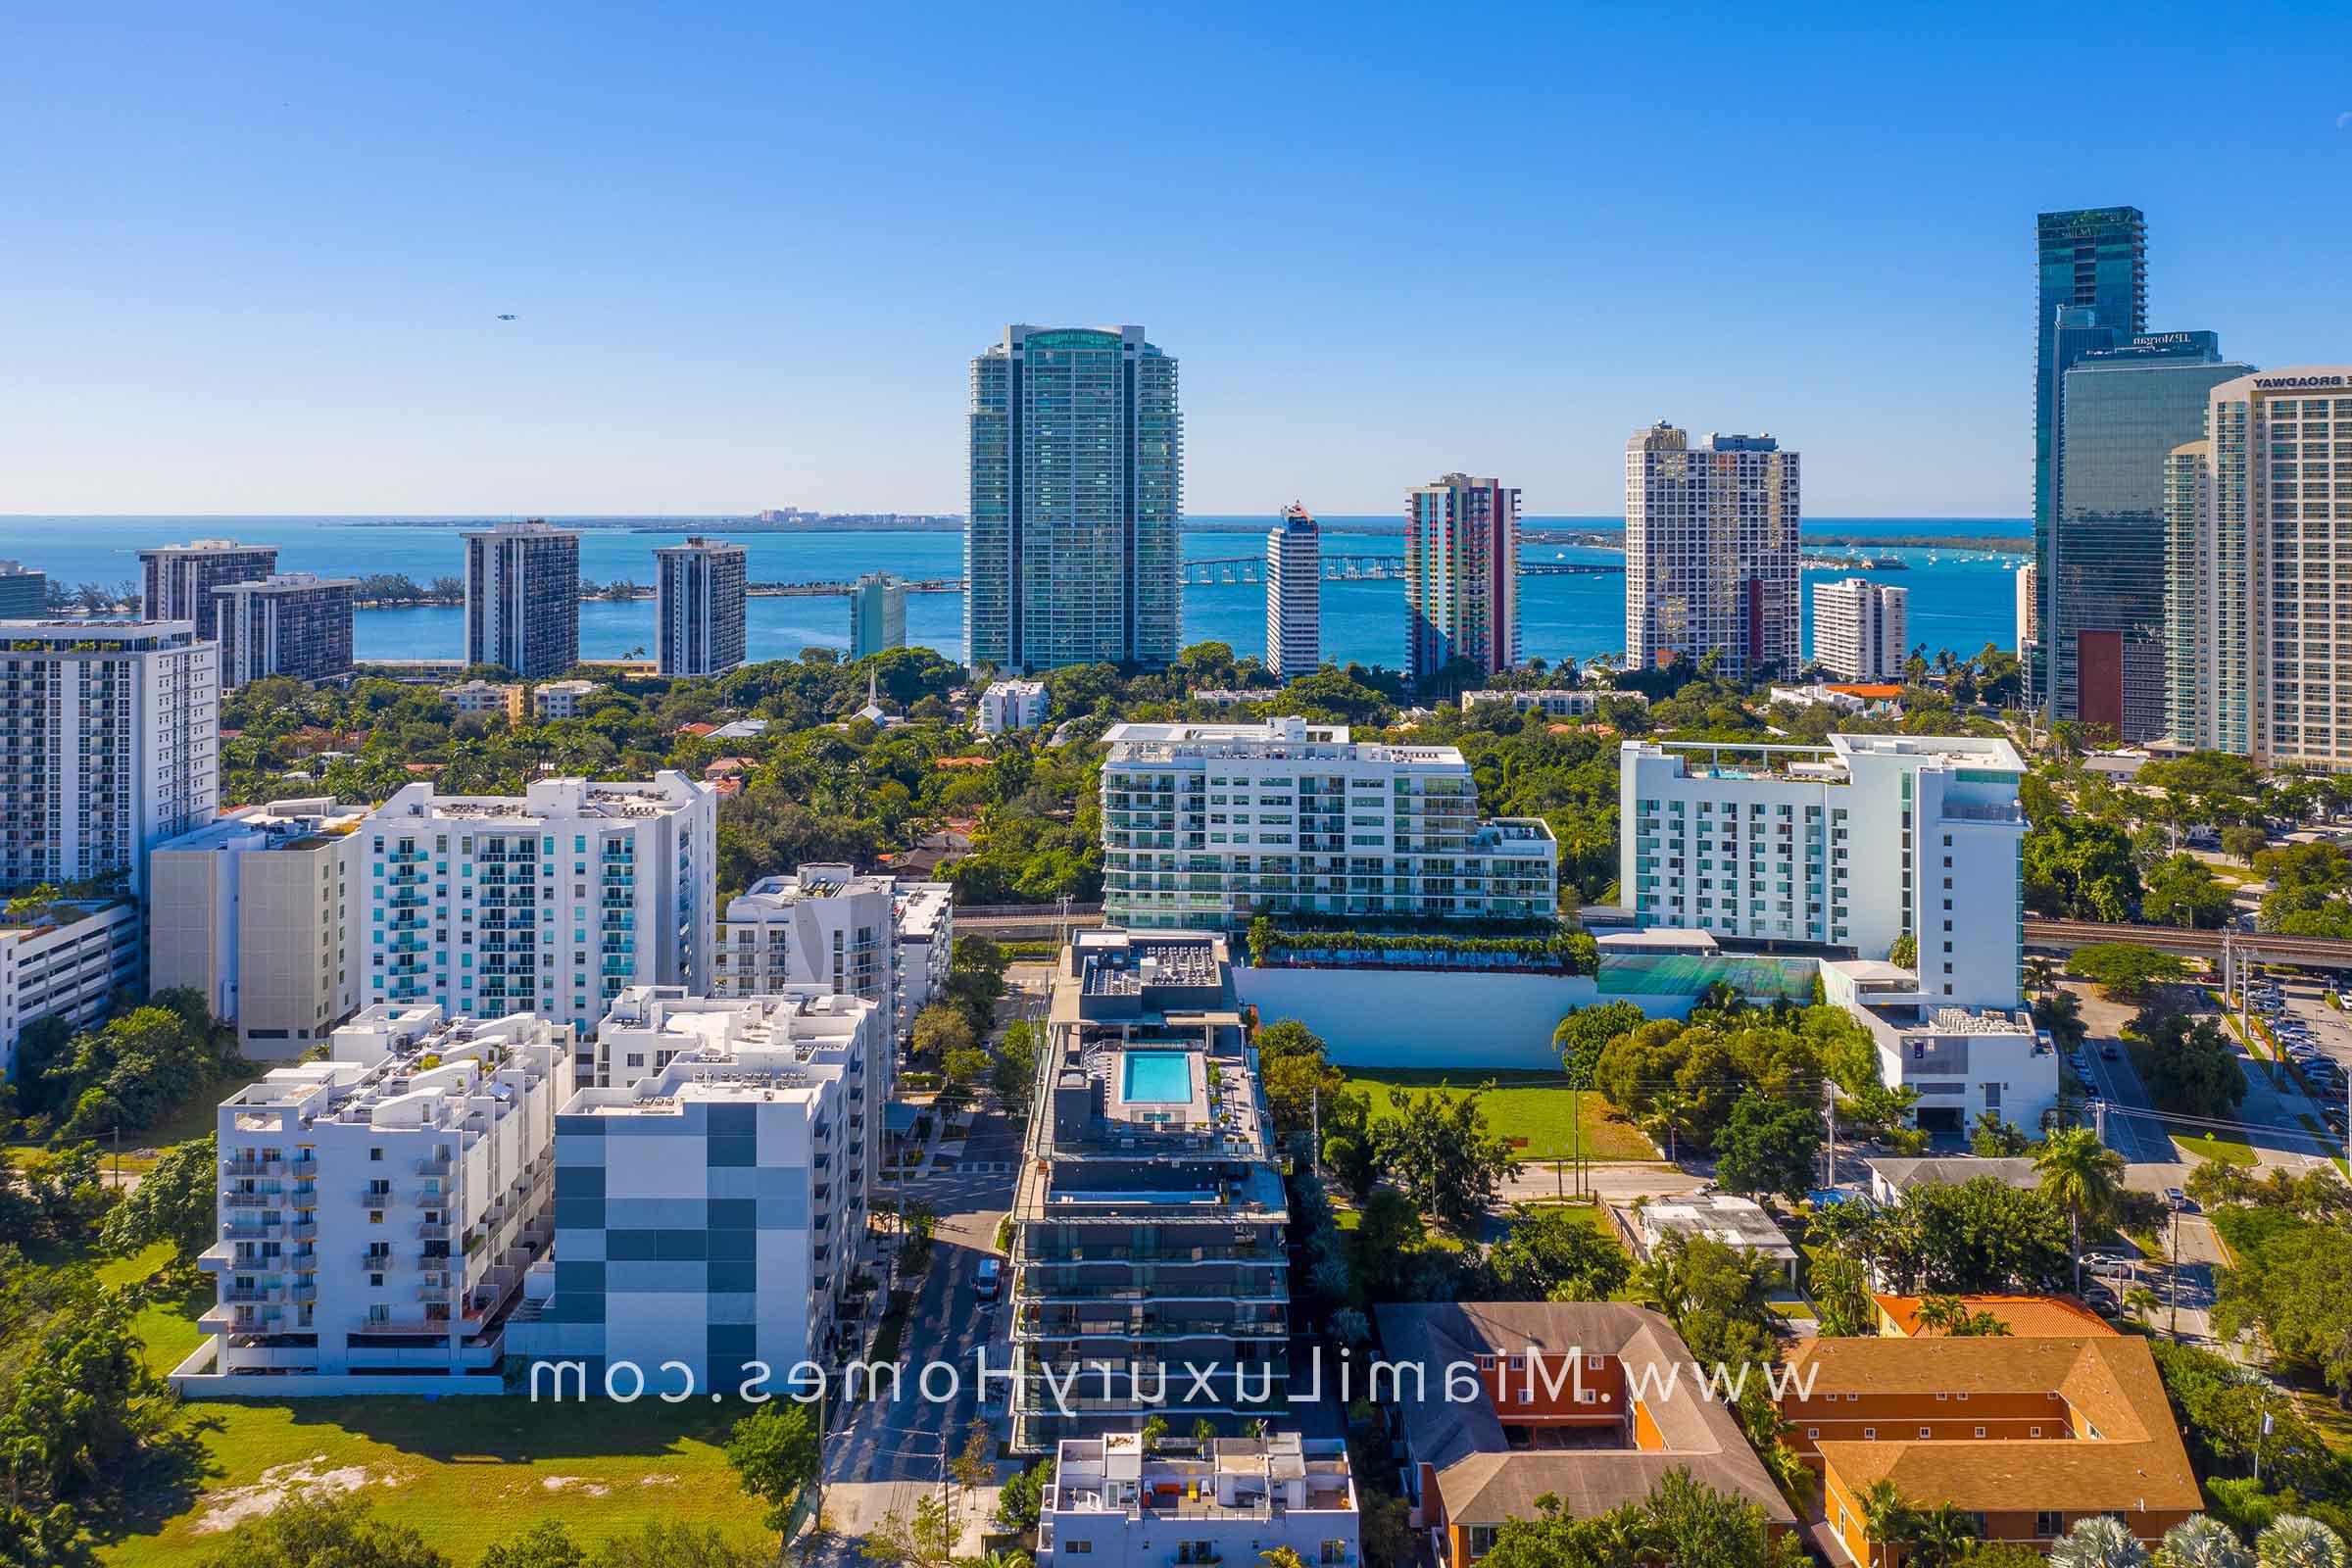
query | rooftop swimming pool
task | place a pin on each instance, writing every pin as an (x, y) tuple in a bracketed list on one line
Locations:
[(1156, 1077)]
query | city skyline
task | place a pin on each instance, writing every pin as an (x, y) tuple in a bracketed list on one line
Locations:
[(285, 299)]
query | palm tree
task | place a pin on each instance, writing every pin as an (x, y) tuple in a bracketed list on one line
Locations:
[(1940, 1538), (2141, 1303), (1941, 1314), (2042, 973), (2082, 1176), (2293, 1540), (2102, 1542), (1887, 1519), (2202, 1541)]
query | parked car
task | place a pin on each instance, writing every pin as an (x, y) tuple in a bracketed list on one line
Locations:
[(988, 1279), (2110, 1053), (2177, 1198)]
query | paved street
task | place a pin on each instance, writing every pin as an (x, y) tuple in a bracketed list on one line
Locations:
[(2139, 1138), (884, 1454)]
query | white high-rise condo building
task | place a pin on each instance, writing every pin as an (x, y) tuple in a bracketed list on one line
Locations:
[(1461, 575), (260, 911), (176, 581), (1860, 629), (2029, 604), (379, 1210), (1010, 705), (292, 623), (552, 902), (711, 1202), (2259, 513), (523, 598), (1077, 493), (109, 735), (1208, 825), (697, 606), (1850, 845), (1711, 560), (1294, 594), (877, 613)]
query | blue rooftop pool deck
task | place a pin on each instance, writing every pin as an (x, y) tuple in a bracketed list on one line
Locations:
[(1156, 1077)]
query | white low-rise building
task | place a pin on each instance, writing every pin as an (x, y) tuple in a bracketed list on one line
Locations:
[(1963, 1061), (66, 960), (1112, 1505), (378, 1210), (260, 911), (1739, 1223), (550, 901), (1852, 846), (1581, 702), (561, 699), (478, 696), (1010, 705), (1206, 826), (710, 1211)]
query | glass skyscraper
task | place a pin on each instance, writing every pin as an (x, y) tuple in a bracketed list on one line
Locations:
[(2094, 264), (1077, 475), (2122, 413)]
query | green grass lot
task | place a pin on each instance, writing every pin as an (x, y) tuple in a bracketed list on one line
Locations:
[(2210, 1146), (465, 1471), (1534, 1105)]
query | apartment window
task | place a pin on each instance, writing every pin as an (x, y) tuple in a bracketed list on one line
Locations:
[(1980, 1431), (1870, 1434), (2033, 1431), (1925, 1432), (376, 1155), (1812, 1434), (2049, 1524), (1075, 1549), (1482, 1540)]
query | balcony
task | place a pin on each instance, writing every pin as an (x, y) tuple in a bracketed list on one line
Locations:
[(253, 1167), (252, 1199), (376, 1201)]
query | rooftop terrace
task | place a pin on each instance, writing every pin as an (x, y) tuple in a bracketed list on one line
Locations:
[(1237, 1478)]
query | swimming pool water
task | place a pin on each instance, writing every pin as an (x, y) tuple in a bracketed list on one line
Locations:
[(1156, 1077)]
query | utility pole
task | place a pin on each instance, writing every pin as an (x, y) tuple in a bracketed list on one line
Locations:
[(2098, 1117), (1315, 1120), (1829, 1093), (1576, 1134)]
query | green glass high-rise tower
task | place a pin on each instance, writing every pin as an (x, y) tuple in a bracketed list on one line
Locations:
[(2092, 293), (1077, 479)]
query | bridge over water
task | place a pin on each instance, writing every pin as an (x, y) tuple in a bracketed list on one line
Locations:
[(1207, 571)]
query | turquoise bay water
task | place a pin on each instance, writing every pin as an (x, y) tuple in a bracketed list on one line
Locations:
[(1960, 603)]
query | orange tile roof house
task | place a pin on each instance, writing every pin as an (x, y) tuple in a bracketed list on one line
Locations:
[(1570, 1398), (2026, 1317), (2028, 1435)]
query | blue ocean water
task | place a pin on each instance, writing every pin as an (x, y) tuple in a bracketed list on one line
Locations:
[(1959, 601)]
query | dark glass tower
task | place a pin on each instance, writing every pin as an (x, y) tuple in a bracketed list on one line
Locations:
[(2124, 410), (2093, 260)]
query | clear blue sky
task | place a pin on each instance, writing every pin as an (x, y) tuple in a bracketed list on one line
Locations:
[(251, 258)]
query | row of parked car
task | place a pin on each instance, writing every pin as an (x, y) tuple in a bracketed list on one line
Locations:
[(2322, 1072)]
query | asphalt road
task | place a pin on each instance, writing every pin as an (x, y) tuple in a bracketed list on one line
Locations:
[(884, 1454)]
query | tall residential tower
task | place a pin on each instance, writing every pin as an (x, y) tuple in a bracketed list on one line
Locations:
[(1711, 551), (1861, 630), (523, 598), (1461, 575), (1294, 594), (111, 732), (877, 613), (2267, 507), (697, 599), (177, 580), (1071, 553), (289, 623)]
